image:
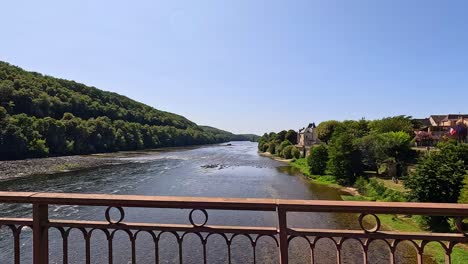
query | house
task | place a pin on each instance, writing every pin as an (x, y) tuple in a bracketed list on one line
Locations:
[(437, 127), (307, 137)]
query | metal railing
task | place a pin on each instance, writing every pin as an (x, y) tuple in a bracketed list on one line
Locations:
[(282, 234)]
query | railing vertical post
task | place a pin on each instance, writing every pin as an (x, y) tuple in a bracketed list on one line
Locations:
[(40, 234), (283, 235)]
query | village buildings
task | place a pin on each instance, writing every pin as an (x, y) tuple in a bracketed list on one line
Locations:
[(437, 127)]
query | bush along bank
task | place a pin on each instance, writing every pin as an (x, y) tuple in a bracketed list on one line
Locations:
[(280, 144)]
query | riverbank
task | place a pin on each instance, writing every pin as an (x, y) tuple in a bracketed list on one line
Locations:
[(269, 155), (10, 169), (301, 165)]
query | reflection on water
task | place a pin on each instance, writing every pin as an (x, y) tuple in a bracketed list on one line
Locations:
[(211, 171)]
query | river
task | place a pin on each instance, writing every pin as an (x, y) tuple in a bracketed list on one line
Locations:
[(208, 171)]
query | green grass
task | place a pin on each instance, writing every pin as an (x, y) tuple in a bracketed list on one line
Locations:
[(391, 185), (301, 164), (410, 224), (464, 192), (434, 250)]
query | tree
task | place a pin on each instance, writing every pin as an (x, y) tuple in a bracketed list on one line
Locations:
[(281, 146), (13, 144), (3, 114), (325, 130), (317, 160), (354, 128), (54, 133), (393, 147), (272, 148), (344, 159), (281, 136), (368, 146), (438, 178), (392, 124), (291, 136), (37, 148), (290, 152), (295, 152)]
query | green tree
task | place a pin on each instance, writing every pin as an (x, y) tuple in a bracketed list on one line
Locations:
[(38, 149), (272, 148), (281, 136), (281, 146), (54, 133), (344, 159), (317, 160), (295, 153), (377, 149), (392, 124), (291, 136), (288, 152), (3, 114), (13, 144), (355, 128), (438, 178), (325, 130)]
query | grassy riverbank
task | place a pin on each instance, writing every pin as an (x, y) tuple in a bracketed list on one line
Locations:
[(377, 190)]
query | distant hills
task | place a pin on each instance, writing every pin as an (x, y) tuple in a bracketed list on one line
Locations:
[(231, 136), (41, 116)]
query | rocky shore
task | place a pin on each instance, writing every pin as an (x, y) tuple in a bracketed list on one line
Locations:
[(21, 168)]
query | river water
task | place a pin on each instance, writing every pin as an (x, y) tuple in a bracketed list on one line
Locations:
[(208, 171)]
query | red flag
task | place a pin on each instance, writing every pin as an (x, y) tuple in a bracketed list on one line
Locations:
[(453, 131)]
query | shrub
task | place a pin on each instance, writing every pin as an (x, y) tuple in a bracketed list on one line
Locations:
[(272, 148), (281, 146), (38, 148), (317, 160), (361, 185), (287, 152), (296, 153), (375, 190), (438, 176)]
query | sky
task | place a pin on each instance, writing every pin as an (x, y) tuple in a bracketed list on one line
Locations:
[(252, 66)]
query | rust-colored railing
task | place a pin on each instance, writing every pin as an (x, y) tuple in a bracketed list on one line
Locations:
[(282, 234)]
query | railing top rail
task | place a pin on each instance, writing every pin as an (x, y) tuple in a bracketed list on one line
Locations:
[(444, 209), (140, 201), (255, 204)]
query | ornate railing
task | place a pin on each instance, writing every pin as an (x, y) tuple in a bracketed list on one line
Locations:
[(281, 234)]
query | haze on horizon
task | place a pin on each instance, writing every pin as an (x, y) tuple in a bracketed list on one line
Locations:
[(253, 66)]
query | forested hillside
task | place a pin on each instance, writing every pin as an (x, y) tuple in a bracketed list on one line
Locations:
[(231, 136), (42, 116)]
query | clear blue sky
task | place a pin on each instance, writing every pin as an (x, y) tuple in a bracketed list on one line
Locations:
[(253, 66)]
